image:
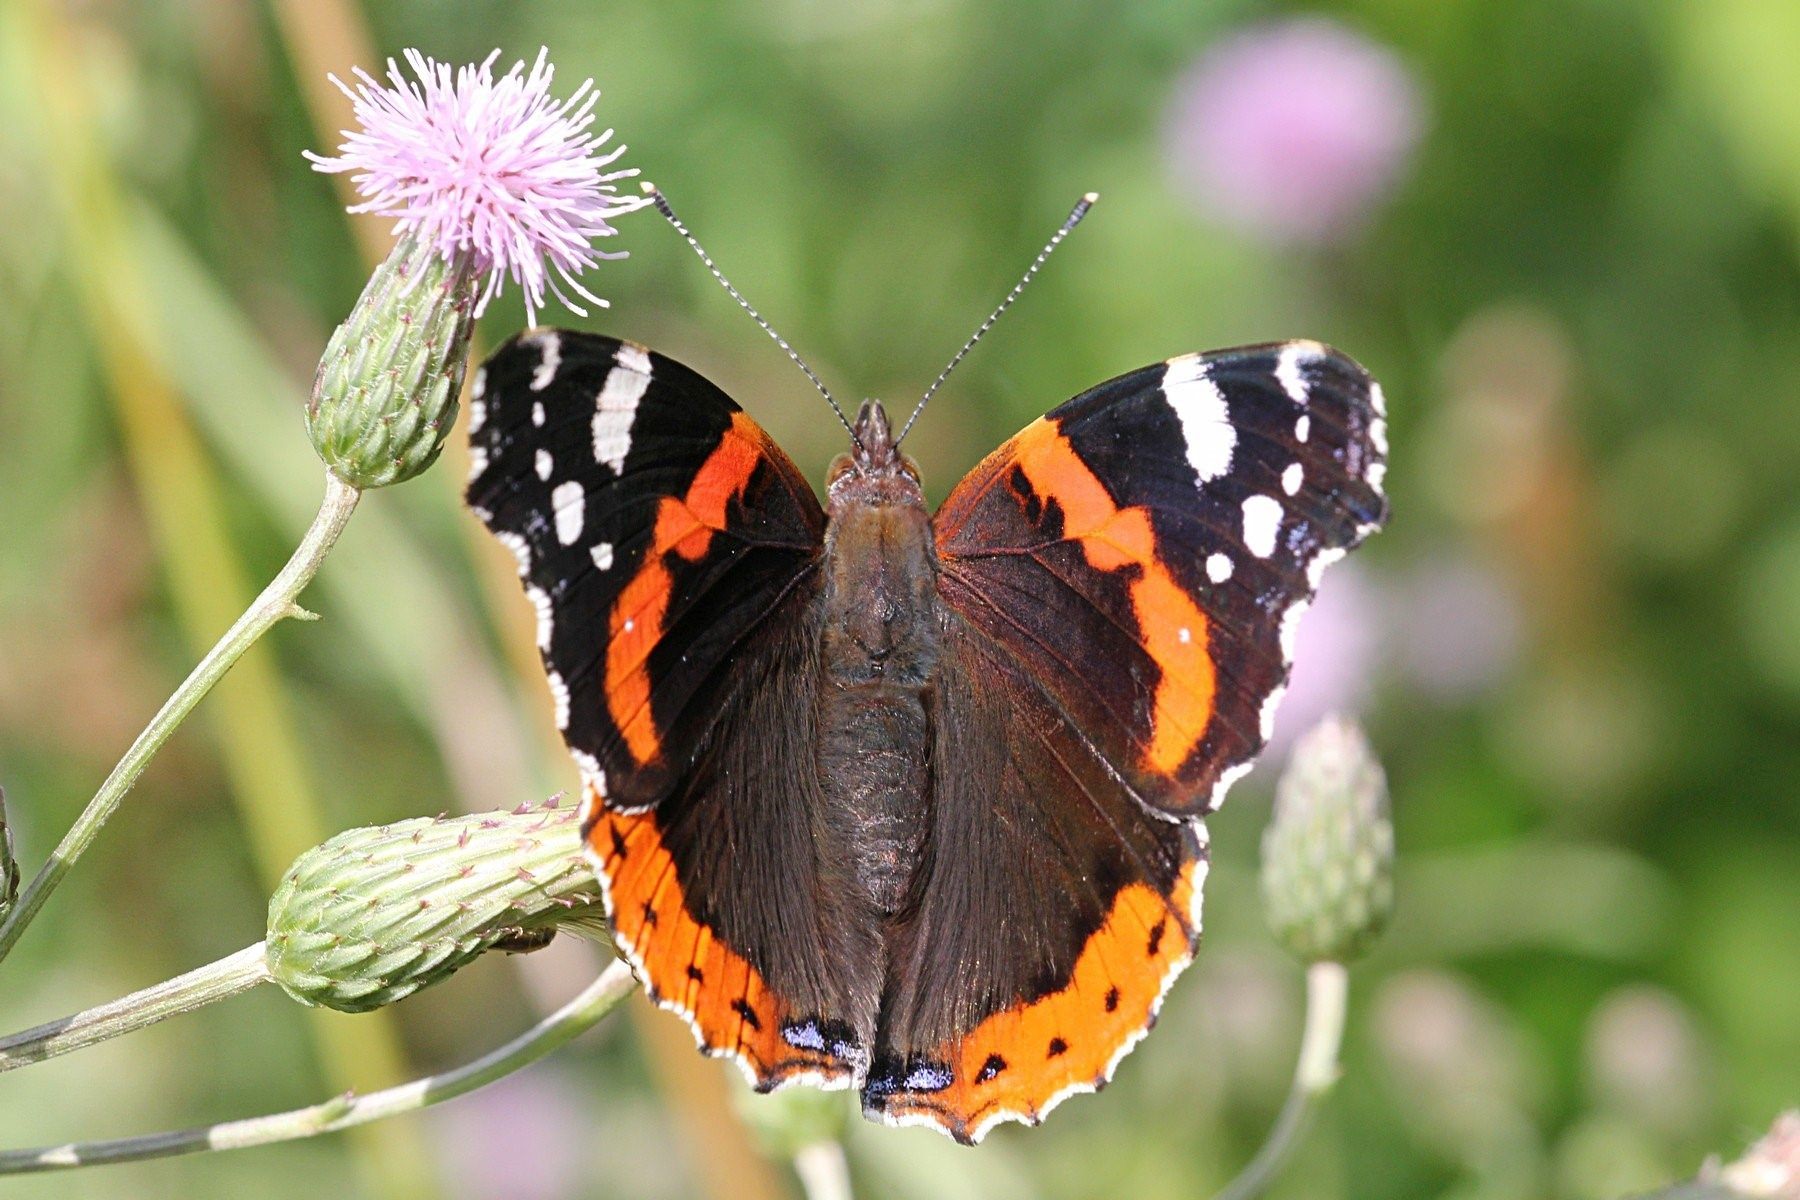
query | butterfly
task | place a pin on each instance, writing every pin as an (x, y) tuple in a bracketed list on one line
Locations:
[(905, 801)]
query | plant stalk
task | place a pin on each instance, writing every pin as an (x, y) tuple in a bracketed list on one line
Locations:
[(823, 1172), (342, 1112), (276, 603), (216, 981), (1315, 1071)]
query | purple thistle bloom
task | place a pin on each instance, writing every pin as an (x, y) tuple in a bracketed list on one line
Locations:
[(494, 170), (1293, 130)]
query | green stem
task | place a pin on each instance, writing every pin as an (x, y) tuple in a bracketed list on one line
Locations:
[(1314, 1073), (823, 1172), (216, 981), (276, 603), (341, 1112)]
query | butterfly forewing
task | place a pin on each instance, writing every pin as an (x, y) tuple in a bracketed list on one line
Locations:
[(1147, 549)]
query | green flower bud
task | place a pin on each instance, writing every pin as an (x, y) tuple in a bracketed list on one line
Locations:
[(375, 914), (386, 391), (1328, 853)]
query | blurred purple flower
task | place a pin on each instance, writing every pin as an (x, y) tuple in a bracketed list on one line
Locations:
[(494, 169), (1294, 130), (524, 1137), (1646, 1057), (1462, 628), (1335, 652)]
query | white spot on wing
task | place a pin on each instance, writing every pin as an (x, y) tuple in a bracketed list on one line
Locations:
[(1262, 522), (559, 692), (478, 461), (602, 555), (1315, 570), (1289, 368), (478, 388), (1290, 629), (1218, 567), (592, 777), (1292, 478), (545, 465), (633, 356), (615, 409), (1302, 427), (521, 549), (540, 600), (569, 502), (1227, 777), (477, 414), (537, 413), (551, 347), (1266, 719), (1205, 422)]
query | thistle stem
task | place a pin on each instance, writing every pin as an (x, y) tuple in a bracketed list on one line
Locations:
[(341, 1112), (1314, 1073), (216, 981), (823, 1172), (276, 603)]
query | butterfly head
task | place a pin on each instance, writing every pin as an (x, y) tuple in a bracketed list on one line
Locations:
[(874, 470)]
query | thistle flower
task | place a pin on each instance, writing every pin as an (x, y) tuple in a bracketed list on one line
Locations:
[(375, 914), (1294, 130), (1328, 852), (494, 169), (486, 179)]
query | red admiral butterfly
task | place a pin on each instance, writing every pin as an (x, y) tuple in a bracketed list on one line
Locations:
[(910, 802)]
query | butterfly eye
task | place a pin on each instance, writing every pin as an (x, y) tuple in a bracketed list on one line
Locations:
[(841, 466)]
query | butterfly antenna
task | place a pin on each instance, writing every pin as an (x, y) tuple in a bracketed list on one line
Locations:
[(662, 206), (1079, 211)]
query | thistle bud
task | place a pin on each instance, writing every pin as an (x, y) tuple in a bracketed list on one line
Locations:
[(1328, 852), (373, 915), (486, 179), (386, 391)]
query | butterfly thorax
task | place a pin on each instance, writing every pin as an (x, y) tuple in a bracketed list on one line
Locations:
[(878, 650)]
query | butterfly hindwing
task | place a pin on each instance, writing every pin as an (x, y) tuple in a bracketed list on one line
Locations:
[(671, 552), (1051, 915)]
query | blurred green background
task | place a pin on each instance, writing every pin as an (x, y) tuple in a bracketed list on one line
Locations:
[(1564, 233)]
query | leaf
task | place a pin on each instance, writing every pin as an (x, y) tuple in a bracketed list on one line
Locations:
[(1738, 56)]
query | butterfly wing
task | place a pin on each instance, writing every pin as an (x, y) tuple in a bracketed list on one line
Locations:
[(1122, 579), (671, 552), (1171, 525)]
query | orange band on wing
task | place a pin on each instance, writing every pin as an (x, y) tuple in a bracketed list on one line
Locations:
[(1021, 1061), (685, 526), (1171, 626), (684, 963)]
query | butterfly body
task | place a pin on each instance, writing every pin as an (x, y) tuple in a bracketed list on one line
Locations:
[(908, 802), (878, 653)]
